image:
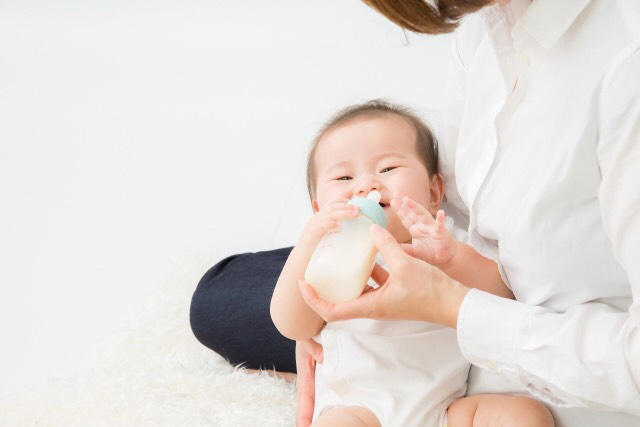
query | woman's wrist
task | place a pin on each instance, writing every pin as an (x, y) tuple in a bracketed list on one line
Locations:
[(452, 295)]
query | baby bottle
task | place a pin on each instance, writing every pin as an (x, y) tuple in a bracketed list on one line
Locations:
[(343, 260)]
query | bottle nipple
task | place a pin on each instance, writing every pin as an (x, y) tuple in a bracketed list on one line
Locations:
[(374, 195)]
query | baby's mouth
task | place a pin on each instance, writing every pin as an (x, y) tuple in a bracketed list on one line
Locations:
[(383, 205)]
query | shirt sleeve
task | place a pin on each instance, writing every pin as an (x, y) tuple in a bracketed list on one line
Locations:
[(588, 356)]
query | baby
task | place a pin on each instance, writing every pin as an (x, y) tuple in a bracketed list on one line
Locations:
[(390, 373)]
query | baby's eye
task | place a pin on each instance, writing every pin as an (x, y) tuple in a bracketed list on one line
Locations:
[(390, 168), (344, 178)]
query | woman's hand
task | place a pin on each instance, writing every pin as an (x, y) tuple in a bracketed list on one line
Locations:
[(308, 353), (411, 290)]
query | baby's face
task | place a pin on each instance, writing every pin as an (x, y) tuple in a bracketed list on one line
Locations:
[(373, 153)]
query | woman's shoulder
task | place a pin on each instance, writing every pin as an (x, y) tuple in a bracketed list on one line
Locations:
[(469, 36)]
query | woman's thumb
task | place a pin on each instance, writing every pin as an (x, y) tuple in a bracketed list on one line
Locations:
[(390, 250)]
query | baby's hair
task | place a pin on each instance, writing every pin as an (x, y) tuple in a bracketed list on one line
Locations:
[(426, 145)]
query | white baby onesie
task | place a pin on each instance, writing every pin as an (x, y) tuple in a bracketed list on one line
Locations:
[(405, 372)]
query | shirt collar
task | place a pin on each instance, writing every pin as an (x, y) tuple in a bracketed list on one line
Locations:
[(547, 20)]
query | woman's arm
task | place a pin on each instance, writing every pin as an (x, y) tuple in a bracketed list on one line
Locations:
[(592, 349)]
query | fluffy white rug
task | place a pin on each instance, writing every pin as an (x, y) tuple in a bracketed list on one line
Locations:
[(155, 373)]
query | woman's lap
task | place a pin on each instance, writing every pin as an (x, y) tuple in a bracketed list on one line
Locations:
[(230, 311)]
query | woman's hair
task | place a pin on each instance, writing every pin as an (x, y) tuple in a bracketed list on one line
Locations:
[(427, 16), (426, 145)]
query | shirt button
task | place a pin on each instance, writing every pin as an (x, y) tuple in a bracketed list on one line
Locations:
[(525, 58), (517, 28)]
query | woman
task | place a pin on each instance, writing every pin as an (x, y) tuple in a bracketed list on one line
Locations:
[(540, 150)]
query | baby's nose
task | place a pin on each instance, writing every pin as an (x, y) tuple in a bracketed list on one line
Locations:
[(366, 186)]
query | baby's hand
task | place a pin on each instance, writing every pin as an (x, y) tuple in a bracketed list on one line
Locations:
[(430, 239), (328, 219)]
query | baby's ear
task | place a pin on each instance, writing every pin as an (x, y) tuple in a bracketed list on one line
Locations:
[(314, 205), (436, 191)]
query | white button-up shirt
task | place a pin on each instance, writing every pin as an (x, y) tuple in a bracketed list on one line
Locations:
[(540, 148)]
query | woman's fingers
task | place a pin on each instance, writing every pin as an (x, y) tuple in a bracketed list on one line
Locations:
[(379, 275), (312, 299), (390, 250), (317, 351), (307, 353), (359, 308)]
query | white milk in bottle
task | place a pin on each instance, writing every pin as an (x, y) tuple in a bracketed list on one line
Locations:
[(342, 262)]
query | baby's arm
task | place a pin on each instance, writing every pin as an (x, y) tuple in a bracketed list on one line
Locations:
[(289, 312), (433, 243)]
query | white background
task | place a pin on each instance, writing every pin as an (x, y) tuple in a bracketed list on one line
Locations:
[(137, 132)]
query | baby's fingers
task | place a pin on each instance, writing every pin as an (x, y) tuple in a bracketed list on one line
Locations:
[(403, 211), (437, 229), (338, 211), (410, 212), (420, 211), (440, 222), (328, 218)]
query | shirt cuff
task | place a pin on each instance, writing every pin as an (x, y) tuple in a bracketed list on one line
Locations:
[(489, 332)]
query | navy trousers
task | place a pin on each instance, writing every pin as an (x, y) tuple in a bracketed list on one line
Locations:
[(230, 311)]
